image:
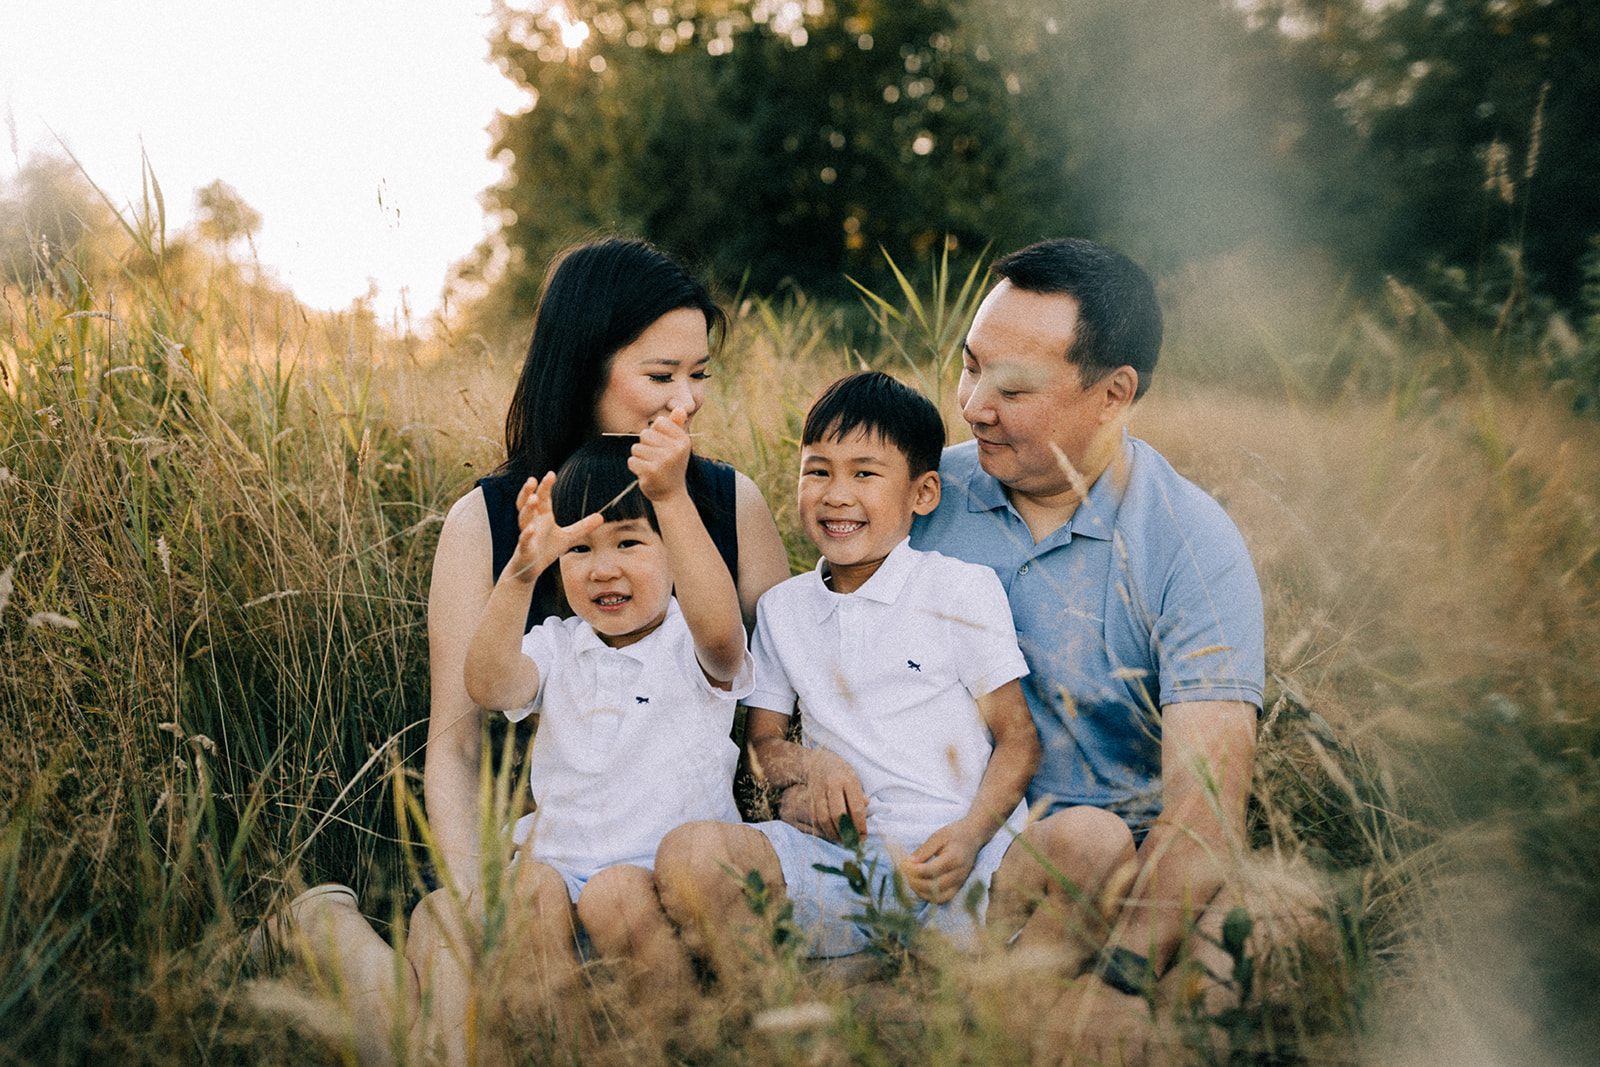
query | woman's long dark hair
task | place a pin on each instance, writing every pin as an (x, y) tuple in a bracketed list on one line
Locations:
[(598, 298)]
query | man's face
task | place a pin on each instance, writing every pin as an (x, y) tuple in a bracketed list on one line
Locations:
[(1022, 398)]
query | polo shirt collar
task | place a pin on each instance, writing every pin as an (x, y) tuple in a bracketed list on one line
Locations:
[(1094, 518), (586, 642), (883, 587)]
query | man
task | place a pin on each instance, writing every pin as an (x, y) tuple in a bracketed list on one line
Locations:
[(1137, 610)]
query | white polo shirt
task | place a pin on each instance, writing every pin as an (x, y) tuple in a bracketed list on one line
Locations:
[(887, 677), (631, 743)]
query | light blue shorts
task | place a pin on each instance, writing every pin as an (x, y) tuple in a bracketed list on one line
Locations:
[(825, 903), (575, 878)]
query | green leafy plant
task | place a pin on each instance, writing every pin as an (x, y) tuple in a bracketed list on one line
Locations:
[(888, 911)]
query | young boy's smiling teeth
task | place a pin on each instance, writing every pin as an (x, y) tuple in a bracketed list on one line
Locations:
[(841, 527)]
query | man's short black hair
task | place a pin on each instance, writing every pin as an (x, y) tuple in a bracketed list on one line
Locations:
[(875, 402), (597, 474), (1119, 318)]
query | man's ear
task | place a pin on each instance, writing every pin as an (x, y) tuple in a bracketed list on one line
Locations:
[(926, 490), (1120, 387)]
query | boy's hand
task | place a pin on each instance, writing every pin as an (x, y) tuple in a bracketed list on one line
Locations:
[(940, 867), (831, 789), (541, 541), (661, 458)]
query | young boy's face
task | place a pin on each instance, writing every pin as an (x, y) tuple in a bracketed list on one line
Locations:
[(618, 580), (857, 499)]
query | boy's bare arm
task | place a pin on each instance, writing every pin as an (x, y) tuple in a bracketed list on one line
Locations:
[(701, 582), (818, 786), (938, 869)]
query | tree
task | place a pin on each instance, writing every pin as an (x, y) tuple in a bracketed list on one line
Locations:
[(779, 141), (1478, 123), (772, 141), (48, 213), (223, 217)]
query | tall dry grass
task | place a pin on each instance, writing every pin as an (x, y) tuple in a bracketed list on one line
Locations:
[(217, 515)]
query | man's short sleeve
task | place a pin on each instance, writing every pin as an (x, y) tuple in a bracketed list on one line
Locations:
[(1194, 601), (1209, 638)]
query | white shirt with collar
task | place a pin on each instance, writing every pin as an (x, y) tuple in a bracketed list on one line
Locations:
[(631, 743), (887, 678)]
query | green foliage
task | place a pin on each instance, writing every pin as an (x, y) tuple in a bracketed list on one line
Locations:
[(211, 639), (928, 337), (781, 149), (1448, 144), (888, 912), (1476, 123)]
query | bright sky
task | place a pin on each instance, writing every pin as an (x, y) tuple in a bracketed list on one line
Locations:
[(357, 128)]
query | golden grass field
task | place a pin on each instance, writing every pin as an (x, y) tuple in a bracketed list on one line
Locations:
[(217, 516)]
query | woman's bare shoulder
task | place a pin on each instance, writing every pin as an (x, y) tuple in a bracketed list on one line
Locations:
[(470, 511), (466, 548)]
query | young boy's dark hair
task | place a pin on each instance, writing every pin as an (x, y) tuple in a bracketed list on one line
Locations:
[(596, 474), (874, 402)]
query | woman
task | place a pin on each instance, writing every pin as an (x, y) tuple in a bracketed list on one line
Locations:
[(623, 334)]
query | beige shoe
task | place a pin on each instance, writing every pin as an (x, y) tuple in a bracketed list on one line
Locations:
[(313, 914)]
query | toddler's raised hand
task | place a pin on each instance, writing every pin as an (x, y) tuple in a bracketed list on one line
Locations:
[(661, 458), (541, 541)]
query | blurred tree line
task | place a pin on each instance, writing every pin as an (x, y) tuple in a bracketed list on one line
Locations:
[(785, 141)]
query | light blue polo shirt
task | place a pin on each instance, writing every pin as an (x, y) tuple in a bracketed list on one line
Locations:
[(1146, 597)]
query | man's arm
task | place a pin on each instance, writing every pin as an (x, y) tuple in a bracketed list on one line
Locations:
[(1207, 762), (940, 866)]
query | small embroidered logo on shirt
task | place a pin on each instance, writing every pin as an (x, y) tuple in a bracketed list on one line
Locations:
[(914, 665), (641, 700)]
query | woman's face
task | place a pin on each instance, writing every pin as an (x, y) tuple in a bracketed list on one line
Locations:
[(666, 367)]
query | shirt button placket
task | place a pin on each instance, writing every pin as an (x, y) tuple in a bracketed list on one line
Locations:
[(849, 638)]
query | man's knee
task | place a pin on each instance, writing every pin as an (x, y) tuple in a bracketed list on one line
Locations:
[(1077, 842)]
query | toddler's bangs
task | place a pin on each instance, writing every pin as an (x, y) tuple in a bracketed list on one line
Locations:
[(595, 475)]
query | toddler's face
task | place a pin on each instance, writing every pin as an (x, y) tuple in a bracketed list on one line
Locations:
[(857, 499), (618, 580)]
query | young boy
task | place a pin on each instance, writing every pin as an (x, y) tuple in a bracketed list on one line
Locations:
[(905, 667), (635, 694)]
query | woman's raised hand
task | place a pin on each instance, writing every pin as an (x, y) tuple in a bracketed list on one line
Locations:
[(661, 458), (542, 542)]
